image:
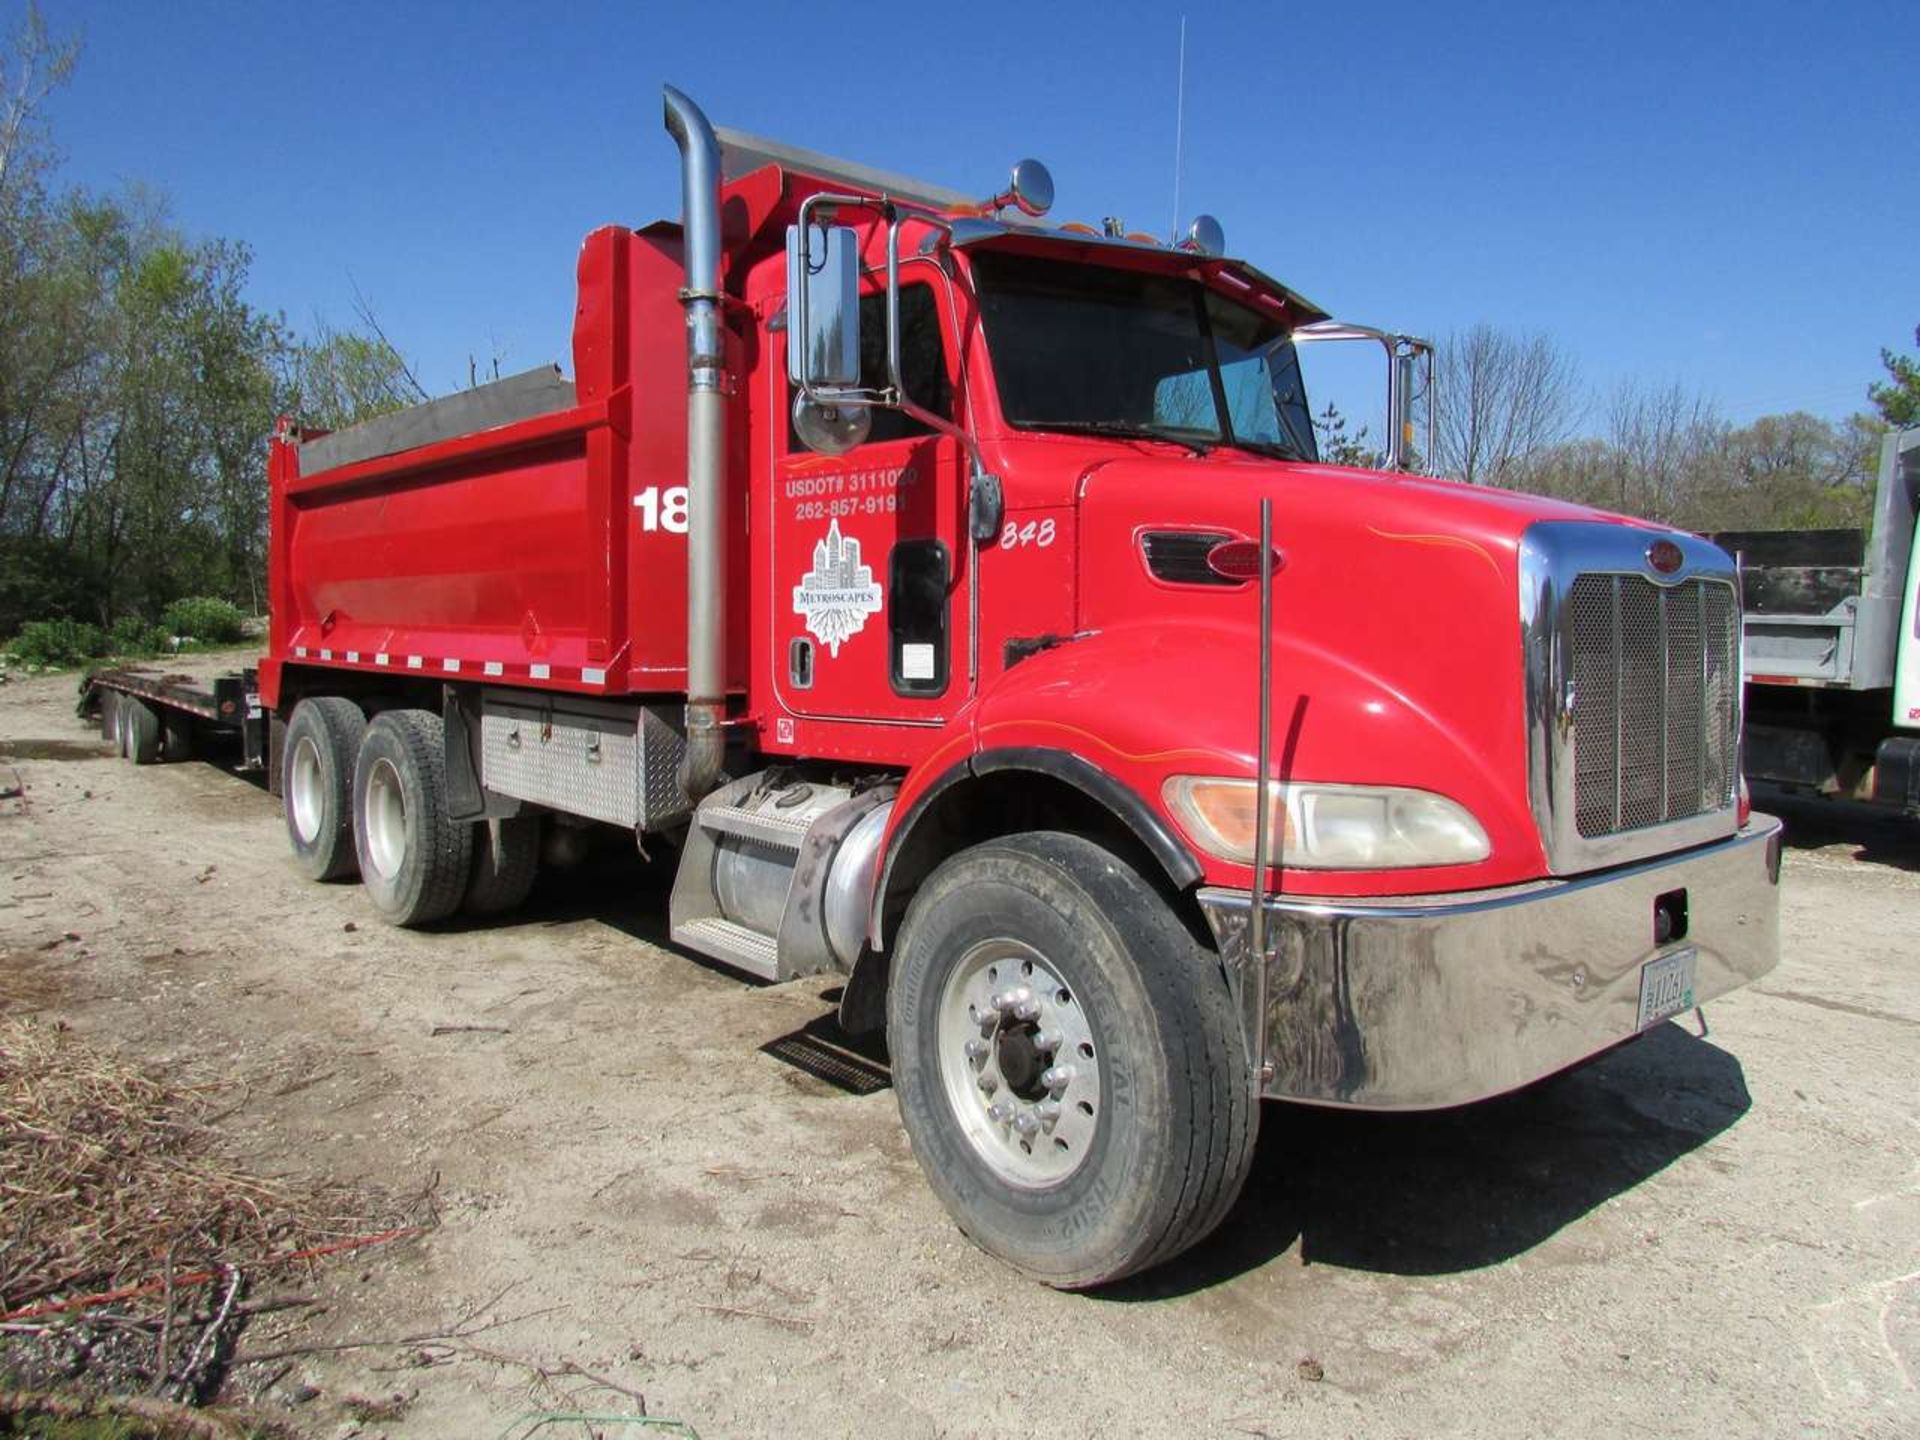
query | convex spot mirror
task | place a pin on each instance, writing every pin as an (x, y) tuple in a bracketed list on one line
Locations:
[(823, 307), (829, 428), (1029, 189), (1205, 236)]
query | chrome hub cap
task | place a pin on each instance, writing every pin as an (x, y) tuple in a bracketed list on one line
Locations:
[(1019, 1063), (304, 790), (385, 814)]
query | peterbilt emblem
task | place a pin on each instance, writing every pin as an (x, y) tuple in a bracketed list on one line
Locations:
[(1666, 557)]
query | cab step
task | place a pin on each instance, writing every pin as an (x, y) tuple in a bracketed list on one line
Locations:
[(769, 827), (731, 944)]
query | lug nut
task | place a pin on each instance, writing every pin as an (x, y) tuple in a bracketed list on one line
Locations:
[(976, 1050), (1048, 1111), (986, 1082), (1000, 1000), (1057, 1078), (999, 1112), (1048, 1041), (1026, 1123)]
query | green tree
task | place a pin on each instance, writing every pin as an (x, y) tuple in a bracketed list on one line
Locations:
[(1898, 398), (1338, 446), (341, 377)]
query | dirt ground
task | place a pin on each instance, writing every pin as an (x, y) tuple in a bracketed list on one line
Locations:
[(684, 1184)]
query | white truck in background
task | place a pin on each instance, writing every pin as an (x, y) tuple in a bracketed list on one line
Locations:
[(1832, 646)]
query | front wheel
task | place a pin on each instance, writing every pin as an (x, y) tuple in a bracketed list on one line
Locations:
[(1067, 1060)]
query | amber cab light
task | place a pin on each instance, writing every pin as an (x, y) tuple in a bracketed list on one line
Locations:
[(1240, 560)]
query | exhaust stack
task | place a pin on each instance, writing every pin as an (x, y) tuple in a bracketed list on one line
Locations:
[(706, 445)]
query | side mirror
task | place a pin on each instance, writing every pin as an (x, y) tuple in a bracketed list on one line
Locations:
[(986, 507), (823, 307)]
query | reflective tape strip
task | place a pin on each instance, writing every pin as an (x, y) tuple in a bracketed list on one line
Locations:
[(382, 658), (414, 662), (326, 654), (493, 667), (353, 657), (452, 667), (593, 677), (301, 651), (538, 672)]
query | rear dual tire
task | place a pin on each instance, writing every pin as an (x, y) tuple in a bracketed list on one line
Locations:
[(506, 858), (415, 863), (316, 780), (369, 799)]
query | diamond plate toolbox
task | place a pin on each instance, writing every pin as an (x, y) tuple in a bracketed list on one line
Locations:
[(618, 765)]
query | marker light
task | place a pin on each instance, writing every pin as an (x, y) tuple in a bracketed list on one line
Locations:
[(1327, 827), (1240, 560)]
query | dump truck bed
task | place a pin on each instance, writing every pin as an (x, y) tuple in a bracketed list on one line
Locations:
[(521, 532), (1823, 606)]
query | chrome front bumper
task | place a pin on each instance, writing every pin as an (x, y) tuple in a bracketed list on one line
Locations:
[(1440, 1000)]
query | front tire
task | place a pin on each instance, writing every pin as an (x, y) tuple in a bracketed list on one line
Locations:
[(414, 861), (1067, 1061)]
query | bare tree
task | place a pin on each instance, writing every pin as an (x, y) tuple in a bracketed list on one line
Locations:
[(1501, 398), (32, 67), (1666, 445)]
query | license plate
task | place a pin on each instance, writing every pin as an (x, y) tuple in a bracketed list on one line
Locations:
[(1666, 986)]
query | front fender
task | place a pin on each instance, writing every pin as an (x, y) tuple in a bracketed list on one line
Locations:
[(1142, 703)]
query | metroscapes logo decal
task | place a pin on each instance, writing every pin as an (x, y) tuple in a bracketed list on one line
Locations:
[(837, 595)]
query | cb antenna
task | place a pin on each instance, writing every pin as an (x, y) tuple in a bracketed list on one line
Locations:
[(1179, 132)]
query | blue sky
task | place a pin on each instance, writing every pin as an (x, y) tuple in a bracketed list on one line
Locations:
[(1721, 195)]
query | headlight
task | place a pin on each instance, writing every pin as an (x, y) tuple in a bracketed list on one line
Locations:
[(1327, 827)]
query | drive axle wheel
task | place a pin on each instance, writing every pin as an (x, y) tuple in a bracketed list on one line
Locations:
[(316, 778), (414, 861), (506, 859), (1067, 1060)]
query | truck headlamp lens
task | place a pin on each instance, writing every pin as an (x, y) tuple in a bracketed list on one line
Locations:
[(1327, 827)]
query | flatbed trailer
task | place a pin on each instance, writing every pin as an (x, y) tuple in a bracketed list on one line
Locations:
[(153, 717)]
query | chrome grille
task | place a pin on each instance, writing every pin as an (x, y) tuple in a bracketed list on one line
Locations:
[(1655, 700)]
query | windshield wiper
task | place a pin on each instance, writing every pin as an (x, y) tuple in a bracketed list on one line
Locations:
[(1131, 429)]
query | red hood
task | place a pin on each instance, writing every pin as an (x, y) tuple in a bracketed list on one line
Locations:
[(1397, 645), (1382, 498)]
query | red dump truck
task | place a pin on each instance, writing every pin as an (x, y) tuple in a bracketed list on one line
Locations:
[(961, 595)]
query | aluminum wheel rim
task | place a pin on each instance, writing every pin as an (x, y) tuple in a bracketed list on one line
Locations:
[(385, 814), (304, 790), (1019, 1062)]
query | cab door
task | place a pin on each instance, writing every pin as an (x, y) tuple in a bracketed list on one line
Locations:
[(868, 609)]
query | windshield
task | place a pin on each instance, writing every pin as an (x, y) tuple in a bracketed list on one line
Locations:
[(1083, 348)]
